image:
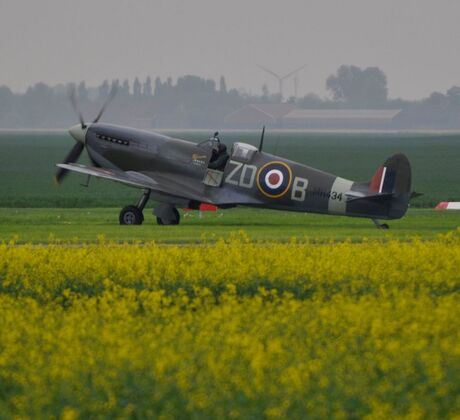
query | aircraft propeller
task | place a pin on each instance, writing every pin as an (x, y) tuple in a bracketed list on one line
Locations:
[(78, 132), (109, 99), (73, 101)]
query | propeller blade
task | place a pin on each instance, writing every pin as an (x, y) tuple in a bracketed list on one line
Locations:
[(112, 94), (73, 101), (71, 157)]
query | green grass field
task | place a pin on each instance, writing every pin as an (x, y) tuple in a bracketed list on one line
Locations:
[(90, 224), (27, 164)]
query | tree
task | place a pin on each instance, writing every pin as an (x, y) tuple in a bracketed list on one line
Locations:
[(265, 92), (82, 91), (453, 94), (124, 91), (115, 85), (147, 88), (194, 85), (359, 87), (222, 85), (103, 90), (39, 103), (40, 92), (435, 99), (311, 101), (158, 87), (6, 99), (137, 88)]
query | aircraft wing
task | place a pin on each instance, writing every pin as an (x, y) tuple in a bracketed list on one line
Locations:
[(131, 178), (136, 179)]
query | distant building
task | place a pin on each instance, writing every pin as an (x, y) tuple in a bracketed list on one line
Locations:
[(340, 118), (256, 115), (288, 116)]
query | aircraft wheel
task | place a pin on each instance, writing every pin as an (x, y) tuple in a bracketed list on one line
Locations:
[(384, 226), (131, 215), (176, 220)]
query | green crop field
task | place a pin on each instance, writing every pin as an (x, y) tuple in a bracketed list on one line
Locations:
[(27, 162)]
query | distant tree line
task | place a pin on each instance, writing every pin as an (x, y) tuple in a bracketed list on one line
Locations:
[(189, 102), (195, 102)]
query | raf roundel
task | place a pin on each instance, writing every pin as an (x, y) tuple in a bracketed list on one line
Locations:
[(274, 179)]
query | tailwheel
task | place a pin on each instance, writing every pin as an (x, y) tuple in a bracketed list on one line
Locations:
[(131, 215), (379, 225), (173, 220)]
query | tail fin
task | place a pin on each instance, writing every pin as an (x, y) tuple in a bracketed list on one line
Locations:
[(383, 181), (393, 177)]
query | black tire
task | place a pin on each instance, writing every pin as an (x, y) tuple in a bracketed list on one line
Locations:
[(131, 215), (176, 220), (176, 217), (384, 226)]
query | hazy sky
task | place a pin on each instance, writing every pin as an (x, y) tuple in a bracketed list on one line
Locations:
[(415, 42)]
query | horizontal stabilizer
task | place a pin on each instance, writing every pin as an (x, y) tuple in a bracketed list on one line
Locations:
[(355, 196)]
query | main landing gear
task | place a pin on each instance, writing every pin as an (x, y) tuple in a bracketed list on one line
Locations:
[(379, 225), (166, 214), (132, 215)]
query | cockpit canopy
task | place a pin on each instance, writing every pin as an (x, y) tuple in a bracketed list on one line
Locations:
[(243, 152), (208, 144)]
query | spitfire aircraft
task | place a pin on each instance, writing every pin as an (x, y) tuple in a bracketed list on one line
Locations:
[(176, 173)]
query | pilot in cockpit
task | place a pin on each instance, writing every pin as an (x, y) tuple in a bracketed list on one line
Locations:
[(219, 155)]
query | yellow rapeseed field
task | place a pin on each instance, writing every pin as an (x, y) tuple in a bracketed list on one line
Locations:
[(232, 329)]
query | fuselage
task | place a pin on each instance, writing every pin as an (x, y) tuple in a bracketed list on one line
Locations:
[(250, 177)]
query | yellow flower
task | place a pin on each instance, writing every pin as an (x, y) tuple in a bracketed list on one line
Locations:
[(231, 329)]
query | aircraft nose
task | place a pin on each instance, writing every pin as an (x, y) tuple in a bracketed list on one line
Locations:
[(78, 132)]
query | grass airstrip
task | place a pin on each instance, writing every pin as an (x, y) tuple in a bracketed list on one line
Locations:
[(93, 224)]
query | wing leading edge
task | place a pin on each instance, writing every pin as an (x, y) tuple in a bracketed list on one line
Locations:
[(135, 179)]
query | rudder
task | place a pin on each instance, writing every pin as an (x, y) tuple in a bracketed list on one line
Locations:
[(394, 177)]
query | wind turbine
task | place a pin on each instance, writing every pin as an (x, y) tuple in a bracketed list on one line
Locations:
[(282, 78)]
